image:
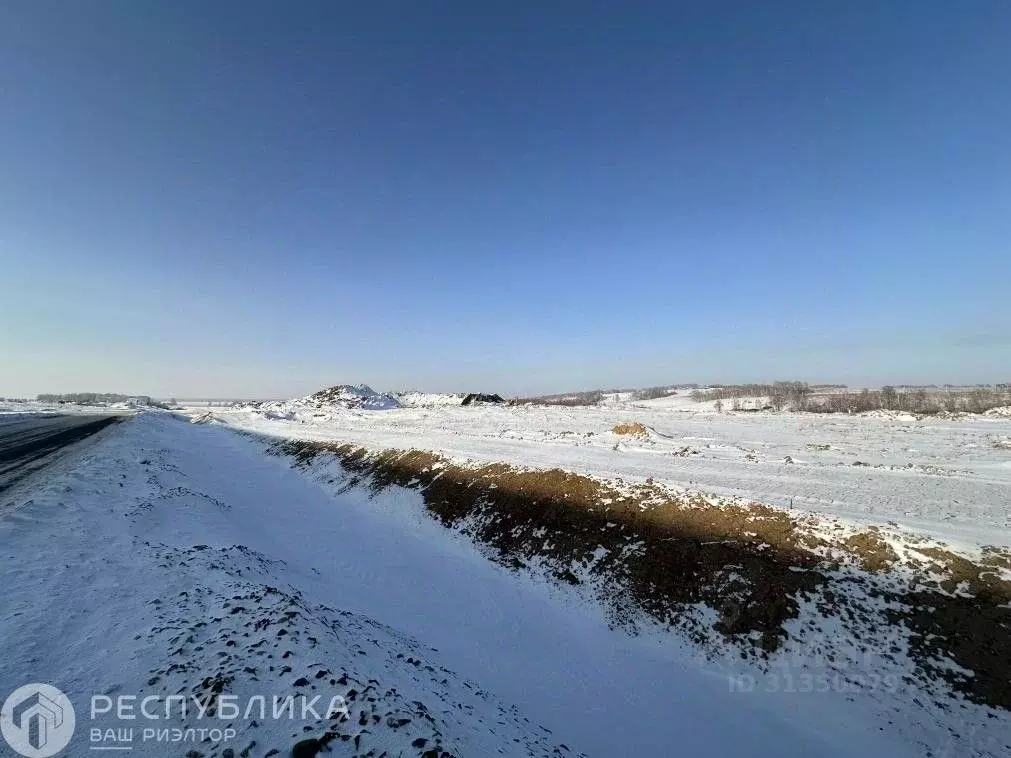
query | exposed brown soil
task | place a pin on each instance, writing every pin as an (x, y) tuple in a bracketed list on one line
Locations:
[(873, 552), (996, 557), (632, 428), (974, 632), (645, 549), (663, 554), (972, 627)]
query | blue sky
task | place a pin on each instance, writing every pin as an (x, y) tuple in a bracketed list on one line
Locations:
[(258, 199)]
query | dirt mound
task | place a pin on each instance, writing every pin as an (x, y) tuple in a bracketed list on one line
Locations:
[(357, 396), (631, 428), (477, 397)]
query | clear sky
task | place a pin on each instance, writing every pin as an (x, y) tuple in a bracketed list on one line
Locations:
[(257, 199)]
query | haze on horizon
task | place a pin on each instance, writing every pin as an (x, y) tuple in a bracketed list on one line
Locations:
[(257, 200)]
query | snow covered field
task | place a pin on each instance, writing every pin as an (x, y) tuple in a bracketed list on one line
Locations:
[(177, 558), (945, 478), (10, 410)]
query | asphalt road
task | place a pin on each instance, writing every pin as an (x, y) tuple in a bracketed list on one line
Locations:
[(27, 444)]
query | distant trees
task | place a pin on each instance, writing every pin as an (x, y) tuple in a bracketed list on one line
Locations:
[(790, 395), (781, 395), (819, 398), (93, 398), (653, 393), (572, 399), (595, 397), (731, 391), (920, 400), (799, 396), (889, 398)]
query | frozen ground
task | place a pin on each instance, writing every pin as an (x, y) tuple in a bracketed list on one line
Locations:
[(12, 409), (176, 558)]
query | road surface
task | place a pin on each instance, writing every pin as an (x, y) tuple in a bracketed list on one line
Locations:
[(26, 444)]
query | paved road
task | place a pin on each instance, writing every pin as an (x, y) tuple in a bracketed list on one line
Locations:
[(27, 443)]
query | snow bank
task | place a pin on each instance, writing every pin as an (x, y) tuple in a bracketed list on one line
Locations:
[(326, 403), (428, 399), (889, 415)]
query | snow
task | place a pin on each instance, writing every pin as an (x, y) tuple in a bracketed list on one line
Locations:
[(949, 479), (162, 529), (333, 399), (10, 409), (428, 399), (144, 541)]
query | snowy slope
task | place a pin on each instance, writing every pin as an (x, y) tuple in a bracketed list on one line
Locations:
[(428, 399), (326, 403), (171, 556)]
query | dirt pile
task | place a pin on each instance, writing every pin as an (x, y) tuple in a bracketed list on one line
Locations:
[(356, 396), (631, 429), (479, 398)]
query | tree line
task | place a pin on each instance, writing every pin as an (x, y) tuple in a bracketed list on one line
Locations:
[(782, 395), (799, 396), (93, 398), (919, 401)]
